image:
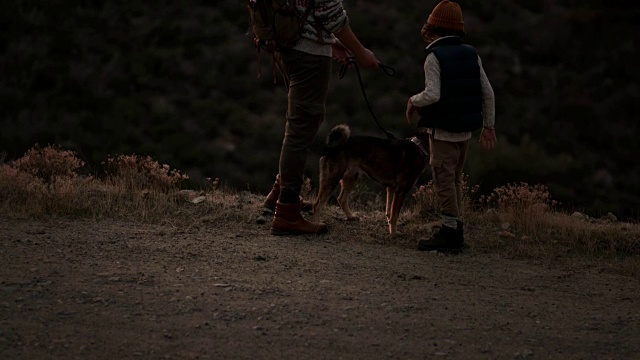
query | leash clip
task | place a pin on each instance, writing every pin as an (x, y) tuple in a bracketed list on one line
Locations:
[(421, 145)]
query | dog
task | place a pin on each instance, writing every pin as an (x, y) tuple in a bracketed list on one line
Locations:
[(395, 164)]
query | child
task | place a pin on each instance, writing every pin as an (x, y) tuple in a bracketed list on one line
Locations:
[(457, 99)]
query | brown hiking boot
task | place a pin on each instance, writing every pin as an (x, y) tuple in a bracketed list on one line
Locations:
[(287, 220), (272, 198)]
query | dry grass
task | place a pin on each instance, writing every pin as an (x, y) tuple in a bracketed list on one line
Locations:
[(48, 182), (517, 220)]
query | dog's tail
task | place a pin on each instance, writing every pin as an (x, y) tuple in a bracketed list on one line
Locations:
[(337, 137)]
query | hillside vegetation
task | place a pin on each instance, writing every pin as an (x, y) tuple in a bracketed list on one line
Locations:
[(516, 220), (177, 81)]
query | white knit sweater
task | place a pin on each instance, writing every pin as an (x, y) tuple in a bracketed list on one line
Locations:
[(327, 15)]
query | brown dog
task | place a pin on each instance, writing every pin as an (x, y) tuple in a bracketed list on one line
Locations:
[(395, 164)]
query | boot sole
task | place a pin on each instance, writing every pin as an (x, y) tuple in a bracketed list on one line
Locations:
[(453, 251), (272, 208), (283, 232)]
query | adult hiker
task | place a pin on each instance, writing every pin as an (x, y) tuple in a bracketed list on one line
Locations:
[(306, 68)]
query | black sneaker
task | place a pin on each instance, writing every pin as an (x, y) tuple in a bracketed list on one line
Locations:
[(446, 240)]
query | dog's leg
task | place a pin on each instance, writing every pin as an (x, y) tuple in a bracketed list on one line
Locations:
[(347, 184), (398, 199), (325, 189), (387, 208)]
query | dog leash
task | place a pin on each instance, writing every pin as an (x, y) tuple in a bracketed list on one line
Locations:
[(388, 70)]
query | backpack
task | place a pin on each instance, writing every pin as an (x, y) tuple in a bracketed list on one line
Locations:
[(276, 24)]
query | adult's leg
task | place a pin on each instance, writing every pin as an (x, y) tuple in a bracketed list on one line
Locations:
[(308, 84), (307, 77)]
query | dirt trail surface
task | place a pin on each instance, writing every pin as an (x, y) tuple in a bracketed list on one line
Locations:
[(75, 289)]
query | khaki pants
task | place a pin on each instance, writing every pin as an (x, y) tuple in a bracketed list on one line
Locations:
[(447, 163), (307, 79)]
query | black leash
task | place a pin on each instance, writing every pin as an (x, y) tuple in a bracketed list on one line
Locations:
[(388, 70)]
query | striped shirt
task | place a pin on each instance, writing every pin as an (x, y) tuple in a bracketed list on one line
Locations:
[(327, 18)]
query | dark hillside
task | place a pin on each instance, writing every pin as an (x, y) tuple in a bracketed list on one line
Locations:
[(177, 81)]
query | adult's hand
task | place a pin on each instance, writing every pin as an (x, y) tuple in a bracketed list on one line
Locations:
[(364, 57), (367, 59), (340, 52)]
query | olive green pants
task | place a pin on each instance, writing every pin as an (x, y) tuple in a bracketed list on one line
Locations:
[(447, 163), (307, 79)]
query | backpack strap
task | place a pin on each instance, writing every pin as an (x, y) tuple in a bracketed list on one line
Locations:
[(310, 4), (318, 26)]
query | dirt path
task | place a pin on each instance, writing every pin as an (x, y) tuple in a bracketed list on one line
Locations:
[(118, 290)]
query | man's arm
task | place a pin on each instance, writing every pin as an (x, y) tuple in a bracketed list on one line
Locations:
[(364, 56)]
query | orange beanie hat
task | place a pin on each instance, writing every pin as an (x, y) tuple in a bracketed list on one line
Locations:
[(447, 15)]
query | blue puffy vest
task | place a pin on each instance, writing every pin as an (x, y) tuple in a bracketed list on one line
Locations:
[(460, 106)]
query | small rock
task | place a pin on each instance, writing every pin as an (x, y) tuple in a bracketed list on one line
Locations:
[(506, 234), (578, 216), (261, 220), (222, 285), (187, 194), (506, 226), (199, 199)]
